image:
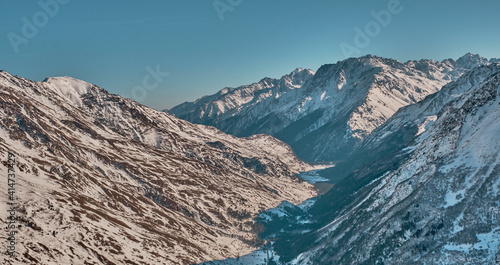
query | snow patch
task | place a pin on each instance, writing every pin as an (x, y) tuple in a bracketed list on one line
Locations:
[(69, 88), (428, 121)]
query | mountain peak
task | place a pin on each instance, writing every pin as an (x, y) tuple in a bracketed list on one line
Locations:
[(469, 55), (68, 87), (367, 60), (267, 80), (299, 71), (470, 61), (3, 72), (65, 83), (370, 56)]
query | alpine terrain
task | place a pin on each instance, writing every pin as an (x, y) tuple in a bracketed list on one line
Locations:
[(100, 179), (423, 188), (323, 115)]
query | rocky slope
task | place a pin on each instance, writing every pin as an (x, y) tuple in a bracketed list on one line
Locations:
[(104, 180), (429, 196), (324, 115)]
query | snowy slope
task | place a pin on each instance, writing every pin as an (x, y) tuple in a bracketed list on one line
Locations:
[(105, 180), (332, 111), (257, 100), (436, 202)]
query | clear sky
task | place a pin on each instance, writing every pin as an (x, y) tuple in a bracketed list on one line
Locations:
[(111, 43)]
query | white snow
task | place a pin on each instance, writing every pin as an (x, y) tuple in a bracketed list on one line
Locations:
[(69, 88), (322, 95), (426, 124), (156, 148)]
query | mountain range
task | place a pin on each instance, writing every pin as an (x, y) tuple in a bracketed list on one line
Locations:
[(422, 189), (101, 179), (323, 115)]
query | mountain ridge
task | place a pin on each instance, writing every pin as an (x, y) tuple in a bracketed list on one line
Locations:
[(428, 193), (341, 103)]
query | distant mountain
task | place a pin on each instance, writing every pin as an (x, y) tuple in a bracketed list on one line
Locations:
[(423, 188), (324, 115), (235, 109), (104, 180)]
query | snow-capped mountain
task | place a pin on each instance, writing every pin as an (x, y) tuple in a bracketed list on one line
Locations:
[(101, 179), (429, 196), (323, 115), (233, 108)]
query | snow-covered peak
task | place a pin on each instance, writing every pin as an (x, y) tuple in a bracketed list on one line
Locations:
[(68, 87), (66, 83), (356, 65), (4, 74), (300, 70), (297, 77), (469, 61), (4, 78)]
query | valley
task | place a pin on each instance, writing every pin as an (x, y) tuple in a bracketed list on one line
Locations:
[(104, 179), (414, 181)]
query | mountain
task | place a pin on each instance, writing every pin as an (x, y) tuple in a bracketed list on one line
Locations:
[(234, 108), (324, 115), (426, 191), (101, 179)]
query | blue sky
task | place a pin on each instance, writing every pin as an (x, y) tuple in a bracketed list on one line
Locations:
[(113, 43)]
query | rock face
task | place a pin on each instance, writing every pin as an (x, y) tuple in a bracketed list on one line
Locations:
[(324, 115), (104, 180), (429, 195)]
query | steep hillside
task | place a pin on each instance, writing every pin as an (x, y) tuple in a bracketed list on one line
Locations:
[(104, 180), (430, 199)]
